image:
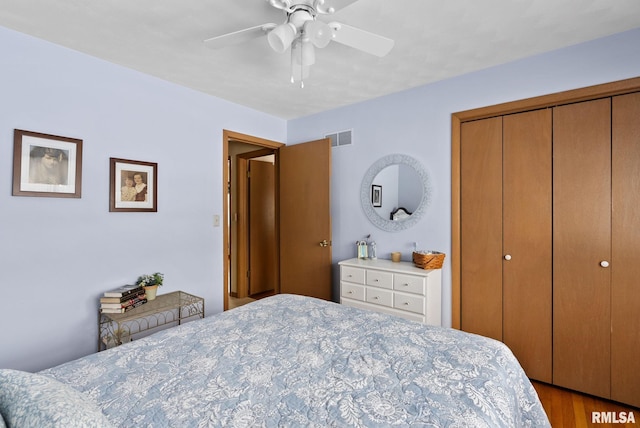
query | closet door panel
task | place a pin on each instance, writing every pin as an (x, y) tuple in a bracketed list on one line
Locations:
[(625, 268), (581, 241), (527, 240), (481, 227)]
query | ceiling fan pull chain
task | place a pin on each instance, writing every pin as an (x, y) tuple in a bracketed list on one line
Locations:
[(297, 46), (301, 64), (293, 65)]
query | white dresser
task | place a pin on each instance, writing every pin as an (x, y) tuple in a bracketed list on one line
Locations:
[(395, 288)]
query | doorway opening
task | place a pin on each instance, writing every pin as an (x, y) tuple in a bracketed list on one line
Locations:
[(256, 252), (241, 154)]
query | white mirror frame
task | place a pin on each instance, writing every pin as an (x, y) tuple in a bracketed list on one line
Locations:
[(365, 193)]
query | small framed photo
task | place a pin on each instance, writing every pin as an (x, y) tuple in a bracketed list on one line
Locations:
[(46, 165), (133, 186), (376, 195)]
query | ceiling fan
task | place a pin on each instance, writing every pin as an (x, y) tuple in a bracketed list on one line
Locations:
[(303, 32)]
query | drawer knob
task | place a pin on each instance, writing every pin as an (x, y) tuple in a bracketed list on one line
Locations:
[(406, 303), (350, 291), (376, 298)]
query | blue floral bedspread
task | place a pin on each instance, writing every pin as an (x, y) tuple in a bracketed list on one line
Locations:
[(290, 361)]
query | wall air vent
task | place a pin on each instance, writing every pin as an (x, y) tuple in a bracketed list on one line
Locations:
[(341, 138)]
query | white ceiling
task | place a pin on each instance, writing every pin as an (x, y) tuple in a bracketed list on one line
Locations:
[(434, 40)]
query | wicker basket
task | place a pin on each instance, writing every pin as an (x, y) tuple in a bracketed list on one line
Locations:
[(428, 259)]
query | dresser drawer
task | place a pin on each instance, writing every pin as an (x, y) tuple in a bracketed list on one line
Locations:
[(396, 288), (352, 274), (380, 278), (380, 297), (352, 291), (409, 283), (407, 302)]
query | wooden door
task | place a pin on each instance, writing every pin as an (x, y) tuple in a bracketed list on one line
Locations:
[(305, 219), (581, 241), (263, 242), (481, 227), (526, 217), (625, 259)]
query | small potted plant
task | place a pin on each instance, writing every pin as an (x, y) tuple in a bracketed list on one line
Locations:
[(150, 283)]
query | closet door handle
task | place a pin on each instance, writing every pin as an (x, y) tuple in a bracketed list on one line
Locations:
[(604, 264), (507, 257)]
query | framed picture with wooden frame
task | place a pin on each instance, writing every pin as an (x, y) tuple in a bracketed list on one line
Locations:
[(133, 186), (46, 165)]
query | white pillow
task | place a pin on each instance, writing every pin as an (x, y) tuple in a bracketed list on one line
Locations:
[(33, 400)]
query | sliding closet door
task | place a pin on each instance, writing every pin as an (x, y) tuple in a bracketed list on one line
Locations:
[(481, 227), (527, 280), (625, 269), (582, 246)]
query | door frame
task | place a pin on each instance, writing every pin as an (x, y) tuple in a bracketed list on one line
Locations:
[(228, 137), (545, 101)]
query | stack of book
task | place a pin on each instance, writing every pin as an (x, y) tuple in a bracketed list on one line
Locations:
[(122, 299)]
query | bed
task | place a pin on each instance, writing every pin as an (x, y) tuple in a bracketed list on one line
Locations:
[(286, 360)]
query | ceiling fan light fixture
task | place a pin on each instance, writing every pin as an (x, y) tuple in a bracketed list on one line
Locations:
[(303, 52), (318, 32), (280, 38)]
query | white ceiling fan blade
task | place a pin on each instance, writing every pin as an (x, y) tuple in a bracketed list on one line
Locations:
[(331, 6), (238, 37), (361, 39)]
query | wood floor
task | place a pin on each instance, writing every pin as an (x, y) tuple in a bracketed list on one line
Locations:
[(234, 302), (568, 409)]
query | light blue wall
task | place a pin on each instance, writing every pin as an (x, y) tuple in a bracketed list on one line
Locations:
[(57, 256), (417, 122)]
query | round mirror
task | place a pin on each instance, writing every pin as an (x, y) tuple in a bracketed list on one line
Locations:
[(395, 192)]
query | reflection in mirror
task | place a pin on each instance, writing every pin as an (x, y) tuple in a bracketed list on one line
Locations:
[(395, 192), (399, 214), (402, 189)]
